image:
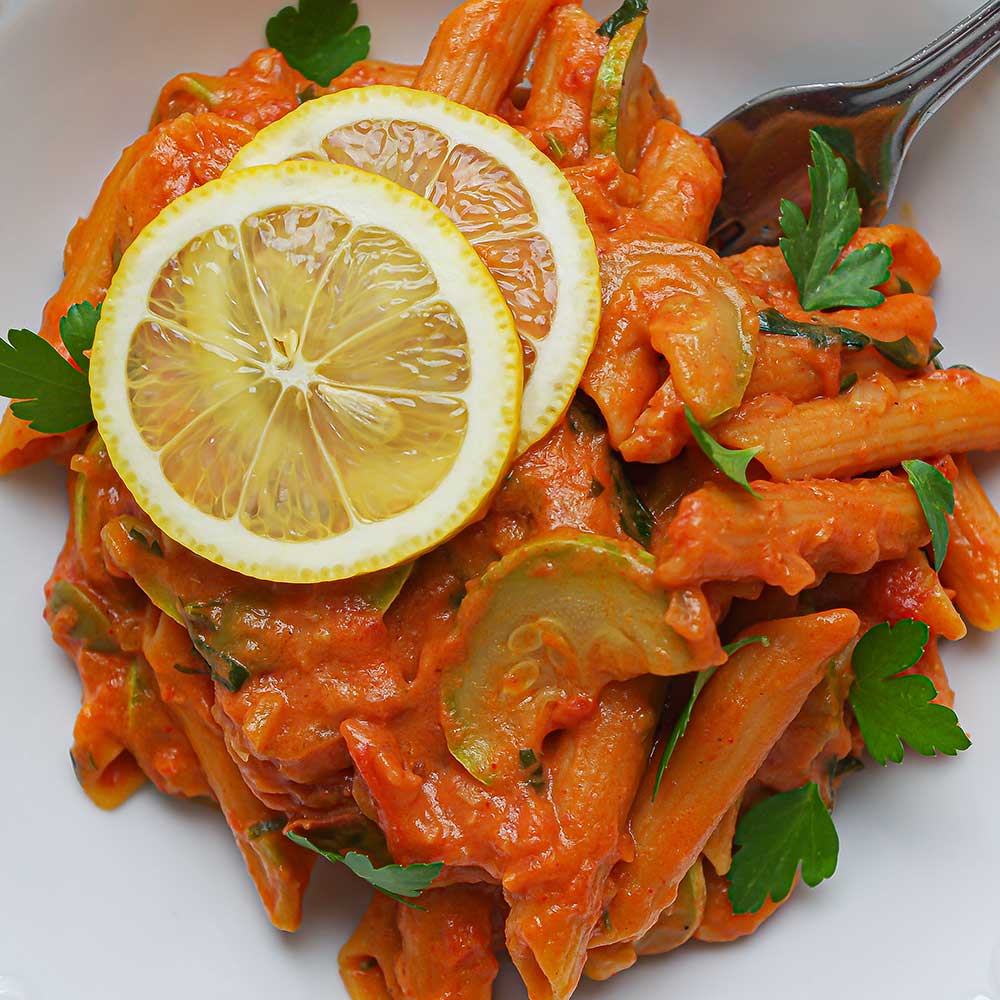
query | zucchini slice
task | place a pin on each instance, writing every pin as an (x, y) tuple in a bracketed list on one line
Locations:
[(91, 625), (537, 639), (614, 115)]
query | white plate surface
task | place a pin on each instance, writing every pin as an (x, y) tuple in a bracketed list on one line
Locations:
[(152, 901)]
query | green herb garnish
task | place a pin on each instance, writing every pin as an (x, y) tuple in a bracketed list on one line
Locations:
[(527, 758), (732, 463), (319, 39), (626, 14), (811, 248), (267, 826), (556, 148), (893, 710), (937, 499), (903, 353), (680, 726), (399, 882), (151, 545), (633, 515), (774, 838), (848, 382), (54, 395)]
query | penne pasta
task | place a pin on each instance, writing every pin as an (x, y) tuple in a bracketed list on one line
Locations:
[(480, 50), (595, 771), (446, 947), (661, 431), (796, 369), (368, 958), (279, 868), (876, 425), (557, 114), (681, 179), (972, 567), (719, 923), (373, 73), (793, 535), (718, 849), (739, 717)]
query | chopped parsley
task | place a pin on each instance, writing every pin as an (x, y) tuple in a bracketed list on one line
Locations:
[(53, 394), (626, 14), (903, 353), (811, 247), (399, 882), (319, 39), (775, 837), (937, 500), (732, 463), (893, 710)]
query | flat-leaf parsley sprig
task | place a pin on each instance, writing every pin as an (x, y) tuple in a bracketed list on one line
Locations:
[(400, 882), (892, 710), (777, 836), (811, 247), (320, 38), (732, 463), (53, 393), (937, 500)]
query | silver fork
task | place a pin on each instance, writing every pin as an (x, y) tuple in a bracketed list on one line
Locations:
[(764, 144)]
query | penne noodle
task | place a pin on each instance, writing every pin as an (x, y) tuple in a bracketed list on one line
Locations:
[(681, 179), (374, 73), (739, 717), (446, 947), (719, 923), (796, 369), (876, 425), (562, 84), (908, 588), (480, 49), (661, 432), (972, 567), (368, 959), (595, 770), (793, 535), (279, 868), (718, 849), (817, 739)]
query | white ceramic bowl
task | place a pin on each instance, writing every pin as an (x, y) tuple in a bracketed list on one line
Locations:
[(153, 901)]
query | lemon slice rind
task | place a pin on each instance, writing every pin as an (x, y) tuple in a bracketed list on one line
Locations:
[(562, 354), (493, 395)]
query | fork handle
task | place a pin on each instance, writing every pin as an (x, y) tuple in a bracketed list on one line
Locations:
[(925, 81)]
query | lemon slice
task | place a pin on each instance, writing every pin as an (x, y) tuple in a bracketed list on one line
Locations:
[(304, 372), (511, 203)]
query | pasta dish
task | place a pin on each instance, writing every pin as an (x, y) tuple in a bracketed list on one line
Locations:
[(443, 506)]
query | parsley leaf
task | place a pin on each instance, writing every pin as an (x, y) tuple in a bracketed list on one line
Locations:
[(903, 353), (77, 329), (892, 710), (775, 837), (811, 248), (399, 882), (732, 463), (937, 498), (54, 394), (680, 726), (626, 14), (319, 39), (633, 515)]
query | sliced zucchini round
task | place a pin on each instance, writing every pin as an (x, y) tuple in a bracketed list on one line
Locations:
[(615, 121), (538, 638)]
